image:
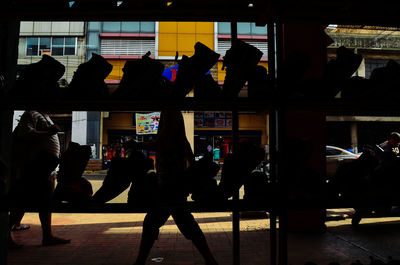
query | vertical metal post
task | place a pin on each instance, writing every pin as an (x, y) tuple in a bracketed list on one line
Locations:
[(272, 172), (272, 145), (9, 37), (280, 125), (235, 213), (235, 146)]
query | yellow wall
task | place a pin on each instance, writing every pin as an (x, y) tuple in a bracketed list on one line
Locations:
[(188, 117), (123, 121), (117, 121), (116, 73), (181, 37), (256, 122), (221, 73)]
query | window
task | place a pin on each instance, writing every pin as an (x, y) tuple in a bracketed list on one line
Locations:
[(70, 44), (250, 33), (57, 46), (129, 27), (32, 46), (243, 28), (111, 26), (44, 46)]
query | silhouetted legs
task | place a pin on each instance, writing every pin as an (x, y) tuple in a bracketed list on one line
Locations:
[(48, 238), (186, 223), (45, 220)]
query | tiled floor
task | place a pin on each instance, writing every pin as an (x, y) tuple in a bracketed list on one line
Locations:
[(100, 239)]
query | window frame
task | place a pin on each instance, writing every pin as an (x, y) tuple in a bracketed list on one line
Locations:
[(139, 31), (27, 44), (251, 25), (51, 45)]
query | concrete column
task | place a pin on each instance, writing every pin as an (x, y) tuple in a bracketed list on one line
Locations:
[(361, 69), (93, 132), (188, 118), (354, 138), (79, 127), (101, 135)]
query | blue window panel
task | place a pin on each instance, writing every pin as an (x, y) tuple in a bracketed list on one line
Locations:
[(258, 30), (57, 46), (148, 27), (243, 28), (44, 45), (32, 46), (93, 41), (112, 27), (224, 28), (130, 27), (94, 26), (70, 45)]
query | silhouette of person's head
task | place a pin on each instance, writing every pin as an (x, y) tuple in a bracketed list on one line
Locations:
[(394, 138)]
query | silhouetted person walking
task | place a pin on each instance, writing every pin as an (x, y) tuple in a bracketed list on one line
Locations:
[(36, 152), (173, 155)]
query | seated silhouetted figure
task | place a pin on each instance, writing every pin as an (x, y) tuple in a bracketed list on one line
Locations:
[(384, 178), (256, 187), (126, 171), (389, 149), (350, 180), (201, 180), (71, 186)]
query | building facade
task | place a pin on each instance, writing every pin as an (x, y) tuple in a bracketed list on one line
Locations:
[(166, 41), (377, 45), (66, 42), (73, 43)]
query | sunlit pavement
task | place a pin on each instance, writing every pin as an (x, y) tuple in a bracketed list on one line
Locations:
[(114, 239)]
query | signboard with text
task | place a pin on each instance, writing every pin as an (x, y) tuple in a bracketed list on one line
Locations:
[(147, 123)]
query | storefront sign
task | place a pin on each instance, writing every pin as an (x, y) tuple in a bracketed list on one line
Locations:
[(171, 72), (147, 123), (213, 119)]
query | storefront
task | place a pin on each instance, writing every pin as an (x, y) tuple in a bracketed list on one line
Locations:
[(120, 127), (213, 133)]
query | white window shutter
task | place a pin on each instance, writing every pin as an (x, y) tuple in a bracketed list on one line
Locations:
[(223, 46), (127, 46)]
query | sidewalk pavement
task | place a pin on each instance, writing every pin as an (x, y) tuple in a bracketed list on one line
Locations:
[(113, 239)]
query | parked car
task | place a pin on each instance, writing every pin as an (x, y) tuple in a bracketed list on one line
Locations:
[(336, 156)]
